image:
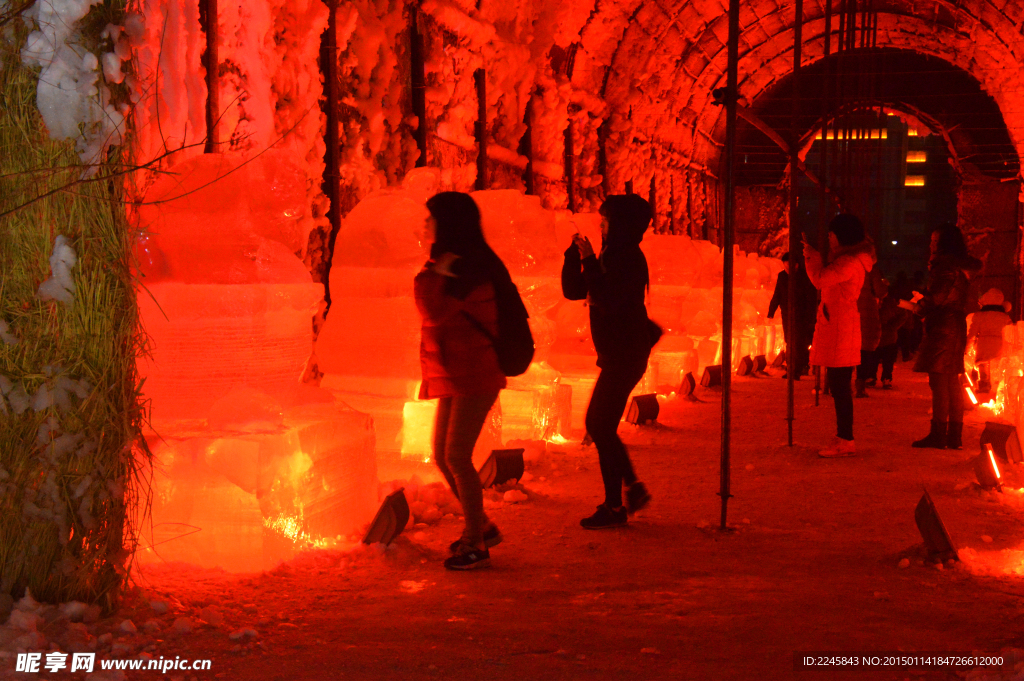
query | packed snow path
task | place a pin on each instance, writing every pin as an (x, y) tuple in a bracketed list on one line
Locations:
[(812, 565)]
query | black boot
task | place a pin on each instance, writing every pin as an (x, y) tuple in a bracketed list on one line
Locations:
[(936, 439), (954, 436), (861, 392)]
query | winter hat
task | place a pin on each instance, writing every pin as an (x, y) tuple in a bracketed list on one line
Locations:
[(849, 230), (628, 218), (991, 297)]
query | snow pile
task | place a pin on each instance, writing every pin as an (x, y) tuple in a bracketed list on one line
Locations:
[(5, 334), (428, 502), (56, 391), (60, 286), (74, 102)]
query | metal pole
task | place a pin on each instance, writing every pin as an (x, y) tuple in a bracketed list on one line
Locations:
[(419, 87), (731, 86), (332, 159), (570, 168), (481, 128), (825, 205), (212, 80), (791, 317)]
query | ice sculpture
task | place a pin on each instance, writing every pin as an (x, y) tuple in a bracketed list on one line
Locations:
[(249, 462)]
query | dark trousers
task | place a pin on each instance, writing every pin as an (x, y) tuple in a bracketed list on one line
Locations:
[(842, 394), (947, 397), (868, 366), (886, 356), (604, 412), (456, 428)]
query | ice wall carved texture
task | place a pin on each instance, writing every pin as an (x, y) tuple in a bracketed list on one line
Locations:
[(645, 70)]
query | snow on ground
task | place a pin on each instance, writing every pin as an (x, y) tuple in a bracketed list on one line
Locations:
[(822, 555)]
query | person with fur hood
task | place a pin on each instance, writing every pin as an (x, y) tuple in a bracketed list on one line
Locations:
[(986, 333), (837, 332), (941, 355), (614, 282)]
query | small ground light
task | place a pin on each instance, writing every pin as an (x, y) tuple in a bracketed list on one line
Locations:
[(642, 409), (987, 470), (1002, 438), (391, 519), (502, 466), (894, 242), (936, 539)]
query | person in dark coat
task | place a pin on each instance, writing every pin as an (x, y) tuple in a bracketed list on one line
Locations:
[(459, 364), (807, 301), (614, 283), (871, 294), (892, 319), (941, 355), (904, 290)]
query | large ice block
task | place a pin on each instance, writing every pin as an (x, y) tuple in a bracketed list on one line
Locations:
[(206, 339), (205, 219), (245, 500)]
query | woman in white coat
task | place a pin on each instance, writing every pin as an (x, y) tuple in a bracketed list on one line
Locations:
[(837, 335)]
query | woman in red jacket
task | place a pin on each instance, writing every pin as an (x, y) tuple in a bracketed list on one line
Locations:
[(454, 294)]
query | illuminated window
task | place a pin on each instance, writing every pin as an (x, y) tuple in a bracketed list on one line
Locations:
[(914, 181), (917, 156), (912, 132), (856, 134)]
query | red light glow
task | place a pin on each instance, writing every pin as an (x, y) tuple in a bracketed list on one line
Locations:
[(992, 458)]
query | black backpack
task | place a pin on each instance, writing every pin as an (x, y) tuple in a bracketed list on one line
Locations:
[(514, 342)]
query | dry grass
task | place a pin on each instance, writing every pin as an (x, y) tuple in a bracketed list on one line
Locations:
[(79, 543)]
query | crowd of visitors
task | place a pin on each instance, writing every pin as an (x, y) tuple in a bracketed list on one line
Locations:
[(475, 333)]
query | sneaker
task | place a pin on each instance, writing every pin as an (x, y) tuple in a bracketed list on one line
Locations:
[(839, 448), (871, 382), (468, 558), (492, 537), (637, 497), (886, 384), (605, 517)]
